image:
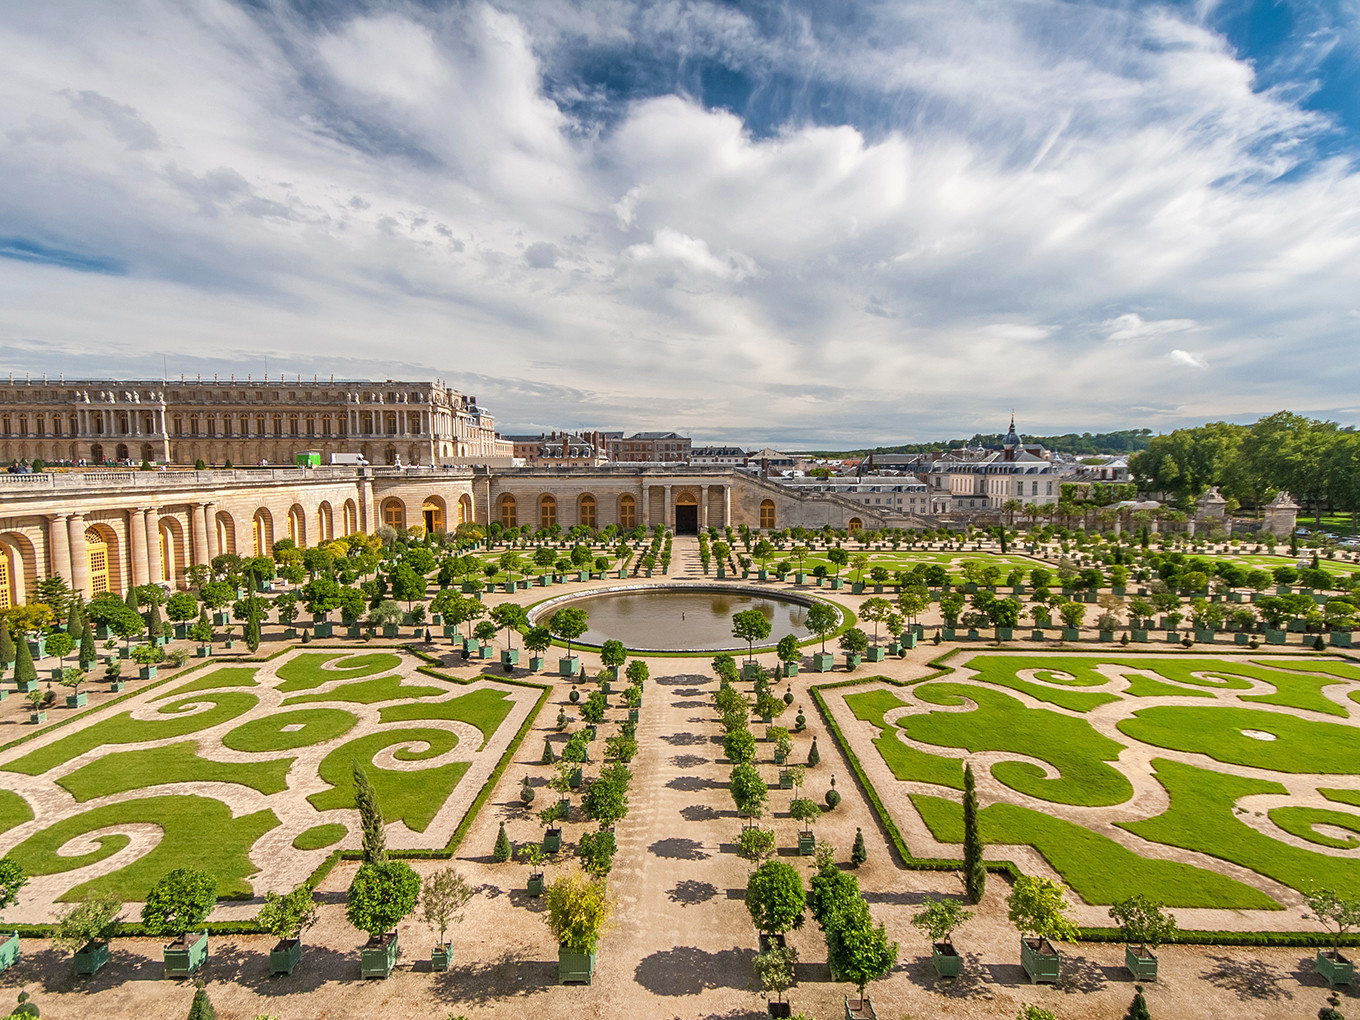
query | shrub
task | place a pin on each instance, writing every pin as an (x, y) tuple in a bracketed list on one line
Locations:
[(288, 916), (775, 898), (93, 919), (180, 901), (579, 910), (500, 853), (382, 893)]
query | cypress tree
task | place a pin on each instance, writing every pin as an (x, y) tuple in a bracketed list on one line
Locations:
[(500, 853), (131, 599), (814, 757), (1138, 1007), (155, 626), (974, 871), (75, 625), (6, 644), (370, 817), (201, 1008), (23, 662), (858, 853), (88, 654)]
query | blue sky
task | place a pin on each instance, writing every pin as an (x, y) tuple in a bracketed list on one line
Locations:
[(784, 222)]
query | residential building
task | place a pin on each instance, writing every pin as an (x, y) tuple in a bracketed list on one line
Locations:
[(653, 448)]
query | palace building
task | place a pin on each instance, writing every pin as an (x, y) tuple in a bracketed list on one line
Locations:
[(247, 423)]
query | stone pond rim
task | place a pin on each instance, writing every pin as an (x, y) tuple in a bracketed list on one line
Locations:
[(542, 611)]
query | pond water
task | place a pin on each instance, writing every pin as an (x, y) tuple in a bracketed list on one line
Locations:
[(680, 620)]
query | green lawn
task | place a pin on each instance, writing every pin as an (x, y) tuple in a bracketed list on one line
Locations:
[(906, 763), (304, 672), (1098, 869), (1299, 821), (412, 797), (369, 692), (485, 708), (1300, 745), (318, 837), (268, 734), (1001, 723), (14, 810), (171, 763), (199, 832), (123, 729), (1200, 817), (228, 676), (1002, 670)]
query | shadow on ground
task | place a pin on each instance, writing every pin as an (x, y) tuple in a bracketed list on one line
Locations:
[(686, 970)]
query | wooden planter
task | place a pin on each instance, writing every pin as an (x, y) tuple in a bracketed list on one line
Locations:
[(9, 952), (790, 669), (948, 963), (147, 672), (379, 955), (1040, 958), (90, 957), (185, 955), (807, 844), (440, 957), (285, 956), (1334, 968), (875, 654), (785, 780), (1141, 962), (823, 662), (77, 700), (778, 1009), (535, 884), (552, 840), (509, 658), (569, 666), (574, 968), (860, 1009)]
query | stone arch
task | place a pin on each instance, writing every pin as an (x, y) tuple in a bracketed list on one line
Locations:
[(19, 563), (465, 509), (97, 453), (148, 453), (586, 510), (120, 452), (262, 526), (507, 511), (628, 518), (855, 524), (174, 561), (393, 512), (226, 532), (768, 516), (297, 525), (325, 522), (105, 565), (350, 517), (547, 510), (434, 514)]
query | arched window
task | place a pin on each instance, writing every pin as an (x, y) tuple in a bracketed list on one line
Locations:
[(394, 513), (293, 425), (767, 515), (547, 511), (324, 523), (297, 526), (587, 511), (264, 533), (509, 512), (627, 512), (351, 517), (311, 425), (278, 425), (464, 509), (6, 589), (97, 551)]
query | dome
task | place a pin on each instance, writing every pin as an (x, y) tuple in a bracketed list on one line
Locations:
[(1011, 440)]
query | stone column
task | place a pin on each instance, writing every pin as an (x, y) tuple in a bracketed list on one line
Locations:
[(646, 519), (366, 523), (155, 566), (59, 546), (210, 529), (727, 506), (80, 560), (668, 512), (137, 545), (703, 507), (198, 520)]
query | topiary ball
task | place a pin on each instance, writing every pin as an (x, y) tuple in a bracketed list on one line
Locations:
[(832, 798), (574, 696)]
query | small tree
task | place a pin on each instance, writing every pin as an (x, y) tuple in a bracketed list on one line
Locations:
[(750, 625), (93, 919), (940, 918), (749, 791), (61, 645), (739, 746), (787, 649), (201, 1008), (179, 902), (569, 624), (289, 915), (613, 655), (442, 900), (821, 620), (756, 845), (857, 949), (1335, 911), (775, 898), (382, 893), (1138, 1007), (537, 639), (875, 610), (854, 641), (579, 910), (596, 850), (858, 852), (72, 677), (1143, 922), (774, 969), (974, 870), (370, 815), (7, 649), (606, 798), (24, 670), (500, 853), (1037, 908)]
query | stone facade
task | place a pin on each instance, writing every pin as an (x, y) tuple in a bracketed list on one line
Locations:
[(103, 421)]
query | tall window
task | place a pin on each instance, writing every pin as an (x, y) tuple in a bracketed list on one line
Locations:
[(6, 592), (394, 514), (627, 512), (97, 550), (259, 424), (293, 425), (588, 510), (509, 512), (547, 512), (311, 425), (767, 515), (278, 425)]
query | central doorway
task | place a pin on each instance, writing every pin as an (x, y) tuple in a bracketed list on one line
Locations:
[(686, 519)]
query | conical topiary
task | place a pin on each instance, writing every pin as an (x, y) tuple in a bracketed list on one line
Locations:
[(23, 662), (974, 870), (130, 600), (1138, 1007), (548, 756), (201, 1008), (500, 853), (813, 756), (74, 624), (858, 853), (1318, 644), (6, 645), (526, 793)]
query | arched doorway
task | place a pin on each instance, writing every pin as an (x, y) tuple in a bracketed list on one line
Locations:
[(148, 454), (297, 525), (464, 509), (547, 511), (509, 512), (627, 513), (855, 524), (101, 552), (264, 533), (325, 524), (351, 517), (394, 513), (122, 452), (226, 532), (432, 510), (585, 511), (767, 515), (686, 514), (97, 453)]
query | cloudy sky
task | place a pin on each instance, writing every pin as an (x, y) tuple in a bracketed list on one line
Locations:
[(793, 221)]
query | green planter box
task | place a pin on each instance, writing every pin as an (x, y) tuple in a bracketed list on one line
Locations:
[(390, 630), (947, 633), (1041, 960), (1335, 970), (590, 731), (574, 780), (38, 647), (807, 844), (534, 887), (9, 952), (1005, 633), (379, 955), (856, 587), (325, 629), (800, 578), (1138, 636), (147, 672), (852, 660), (1274, 637), (894, 647), (203, 652), (1204, 636), (77, 700), (1241, 639), (574, 968), (633, 714), (37, 718), (823, 662), (1339, 639), (1036, 635), (569, 666), (1106, 636), (536, 662), (785, 780), (751, 671), (509, 658), (909, 640), (90, 958), (837, 583), (181, 630), (563, 809), (1142, 964), (875, 654), (285, 956), (1071, 634), (789, 669), (948, 963), (440, 957), (185, 955)]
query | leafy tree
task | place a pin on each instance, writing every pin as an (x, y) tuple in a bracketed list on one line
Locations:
[(787, 649), (939, 918), (748, 789), (739, 746), (407, 585), (509, 617), (857, 949), (830, 891), (1143, 922), (838, 558), (750, 625), (821, 620), (179, 902), (854, 641), (60, 644), (382, 893), (1138, 1007), (875, 610), (974, 870), (1335, 911), (756, 845), (181, 607), (775, 898), (443, 896), (12, 879), (24, 670), (289, 915), (596, 850), (613, 654), (537, 639), (93, 919), (1072, 614), (569, 623), (606, 798), (1037, 908), (774, 969), (579, 910), (7, 649)]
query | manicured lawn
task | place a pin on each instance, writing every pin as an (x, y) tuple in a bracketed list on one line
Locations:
[(199, 832), (1300, 745), (369, 692), (318, 837), (1001, 723), (123, 729), (1200, 817), (906, 763), (1299, 821), (1002, 670), (227, 676), (412, 797), (171, 763), (14, 810), (1098, 869), (269, 734), (485, 708), (304, 672)]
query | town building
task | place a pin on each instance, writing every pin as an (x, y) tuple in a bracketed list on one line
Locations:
[(652, 448), (717, 456), (561, 449)]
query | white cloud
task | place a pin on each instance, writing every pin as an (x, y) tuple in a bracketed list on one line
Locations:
[(671, 246), (1188, 358), (1131, 327)]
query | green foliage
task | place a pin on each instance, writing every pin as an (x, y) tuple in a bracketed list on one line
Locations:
[(1138, 1007), (1033, 1012), (93, 919), (179, 902), (821, 620), (974, 870), (748, 789), (775, 898), (739, 746), (1335, 911), (500, 853), (24, 670), (858, 852), (756, 845), (289, 915), (1142, 921), (606, 797), (382, 893), (569, 623), (773, 969), (320, 836), (579, 909), (443, 896), (1038, 908), (857, 949), (596, 850), (201, 1008), (750, 625), (12, 879), (939, 918), (414, 802), (370, 815)]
